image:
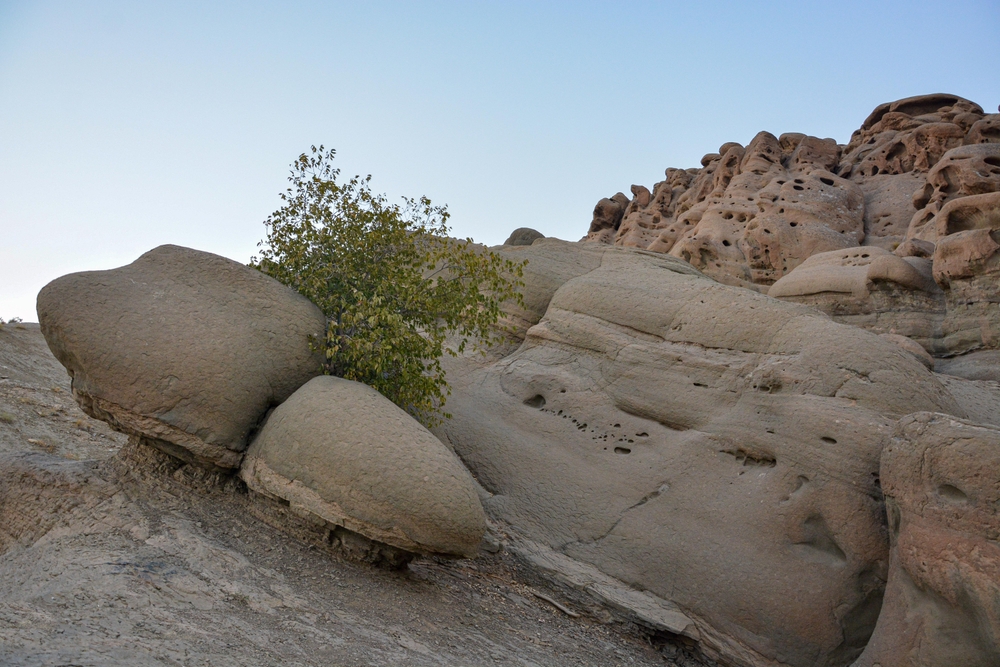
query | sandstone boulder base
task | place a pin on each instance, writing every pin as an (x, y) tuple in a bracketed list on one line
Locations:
[(941, 478), (181, 347), (523, 236), (712, 447), (343, 453)]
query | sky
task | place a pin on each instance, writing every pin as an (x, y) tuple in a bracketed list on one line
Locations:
[(127, 125)]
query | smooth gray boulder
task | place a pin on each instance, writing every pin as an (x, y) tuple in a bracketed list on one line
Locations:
[(184, 348), (341, 452)]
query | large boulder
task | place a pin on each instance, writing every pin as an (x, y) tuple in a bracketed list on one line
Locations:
[(714, 448), (342, 453), (181, 347), (941, 478)]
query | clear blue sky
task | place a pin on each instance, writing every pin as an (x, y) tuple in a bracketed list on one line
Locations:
[(125, 125)]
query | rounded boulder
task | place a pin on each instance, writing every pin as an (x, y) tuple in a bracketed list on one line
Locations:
[(184, 348), (342, 452)]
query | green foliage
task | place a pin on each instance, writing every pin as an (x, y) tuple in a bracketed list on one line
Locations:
[(397, 293)]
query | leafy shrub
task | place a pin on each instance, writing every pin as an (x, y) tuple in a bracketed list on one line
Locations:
[(397, 292)]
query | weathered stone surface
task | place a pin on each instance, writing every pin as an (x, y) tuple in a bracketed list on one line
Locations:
[(607, 218), (523, 236), (911, 346), (963, 171), (889, 207), (941, 479), (917, 171), (183, 347), (872, 288), (715, 448), (341, 452)]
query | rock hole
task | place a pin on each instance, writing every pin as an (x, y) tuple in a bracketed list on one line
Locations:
[(642, 435), (622, 450), (952, 493), (793, 224), (617, 425), (781, 210), (874, 171), (726, 243), (798, 187), (536, 401), (828, 440), (828, 181), (699, 384)]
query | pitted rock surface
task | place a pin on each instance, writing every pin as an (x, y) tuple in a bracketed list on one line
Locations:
[(692, 439), (919, 171)]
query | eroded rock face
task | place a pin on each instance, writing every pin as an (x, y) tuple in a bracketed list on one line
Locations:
[(941, 478), (182, 347), (342, 453), (872, 288), (709, 446), (918, 171)]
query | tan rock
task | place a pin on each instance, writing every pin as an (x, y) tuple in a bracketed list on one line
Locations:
[(183, 347), (941, 479), (964, 255), (963, 171), (986, 130), (607, 218), (693, 439), (341, 452), (871, 288)]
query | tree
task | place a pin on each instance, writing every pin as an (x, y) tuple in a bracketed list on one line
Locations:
[(396, 291)]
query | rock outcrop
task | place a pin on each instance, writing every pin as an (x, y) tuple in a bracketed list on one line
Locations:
[(523, 236), (181, 347), (920, 178), (343, 454), (941, 479), (712, 447)]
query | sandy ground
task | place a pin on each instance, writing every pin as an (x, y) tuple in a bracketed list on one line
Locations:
[(114, 554)]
